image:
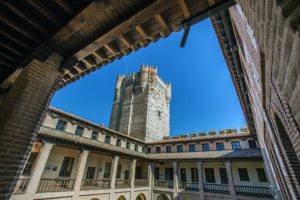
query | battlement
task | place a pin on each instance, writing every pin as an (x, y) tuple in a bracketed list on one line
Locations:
[(209, 133)]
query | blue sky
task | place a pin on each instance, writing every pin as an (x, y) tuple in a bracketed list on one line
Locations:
[(203, 95)]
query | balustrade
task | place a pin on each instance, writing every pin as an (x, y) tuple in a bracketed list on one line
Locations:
[(122, 183), (192, 186), (141, 182), (218, 188), (21, 185), (55, 185), (93, 184), (164, 183), (253, 191)]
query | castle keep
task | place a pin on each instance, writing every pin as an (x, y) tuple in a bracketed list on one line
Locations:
[(141, 106)]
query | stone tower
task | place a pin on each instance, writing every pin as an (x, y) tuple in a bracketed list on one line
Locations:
[(141, 106)]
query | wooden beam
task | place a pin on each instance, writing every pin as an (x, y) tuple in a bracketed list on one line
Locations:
[(26, 18), (141, 31), (65, 6), (141, 17), (13, 39), (161, 21), (43, 10), (11, 48), (8, 57), (113, 50), (126, 41), (184, 9), (21, 30)]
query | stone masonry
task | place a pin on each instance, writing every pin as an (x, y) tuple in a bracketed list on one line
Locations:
[(141, 106)]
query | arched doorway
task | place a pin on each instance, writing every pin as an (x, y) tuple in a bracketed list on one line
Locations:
[(162, 197), (121, 198), (141, 196)]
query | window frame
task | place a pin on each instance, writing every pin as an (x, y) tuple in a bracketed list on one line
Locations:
[(157, 149), (168, 149), (253, 145), (107, 139), (59, 123), (66, 168), (203, 147), (223, 175), (261, 174), (93, 135), (79, 133), (194, 174), (194, 148), (218, 144), (234, 146), (179, 148), (107, 169), (210, 175), (243, 174)]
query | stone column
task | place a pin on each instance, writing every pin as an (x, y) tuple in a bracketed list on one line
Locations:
[(22, 110), (79, 172), (114, 168), (151, 174), (230, 179), (132, 172), (175, 179), (200, 179), (39, 168)]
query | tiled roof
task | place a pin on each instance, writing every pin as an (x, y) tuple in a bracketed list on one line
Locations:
[(49, 133), (242, 154), (66, 114), (202, 138)]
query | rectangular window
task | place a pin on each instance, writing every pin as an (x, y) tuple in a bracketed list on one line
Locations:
[(79, 131), (194, 174), (66, 167), (157, 149), (156, 173), (168, 173), (61, 125), (30, 164), (192, 147), (209, 175), (126, 174), (243, 173), (149, 150), (118, 143), (236, 145), (179, 148), (139, 172), (119, 170), (220, 146), (168, 149), (223, 175), (261, 175), (90, 172), (107, 139), (136, 147), (94, 135), (107, 170), (127, 145), (252, 144), (205, 147)]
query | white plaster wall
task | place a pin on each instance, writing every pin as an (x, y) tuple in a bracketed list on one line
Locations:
[(56, 159)]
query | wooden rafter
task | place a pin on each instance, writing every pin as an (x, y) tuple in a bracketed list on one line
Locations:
[(25, 17), (13, 39), (142, 32), (141, 17), (126, 41), (161, 21), (65, 6), (185, 9), (43, 10), (113, 50)]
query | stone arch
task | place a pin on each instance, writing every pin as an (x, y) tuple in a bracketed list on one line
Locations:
[(141, 196), (162, 197), (121, 198)]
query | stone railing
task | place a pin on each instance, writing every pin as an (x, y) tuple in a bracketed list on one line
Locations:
[(216, 188), (253, 191), (163, 183), (141, 182), (95, 184), (55, 185), (188, 186), (122, 184), (21, 185)]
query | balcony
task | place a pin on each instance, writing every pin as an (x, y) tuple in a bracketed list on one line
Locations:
[(253, 191), (55, 185), (122, 184), (216, 188), (189, 186), (95, 184), (21, 186), (141, 182), (164, 184)]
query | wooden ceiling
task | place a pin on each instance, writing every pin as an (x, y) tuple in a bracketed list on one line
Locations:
[(88, 34)]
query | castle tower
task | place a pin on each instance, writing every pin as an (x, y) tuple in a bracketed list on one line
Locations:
[(141, 106)]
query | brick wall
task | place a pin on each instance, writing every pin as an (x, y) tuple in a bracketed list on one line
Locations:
[(22, 111)]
